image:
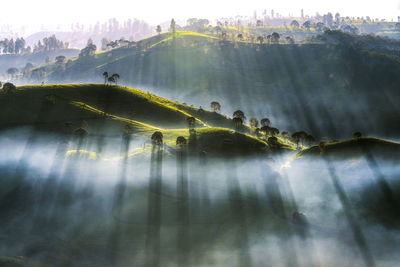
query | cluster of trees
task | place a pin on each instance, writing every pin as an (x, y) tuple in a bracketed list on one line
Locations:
[(50, 44), (9, 46), (90, 49)]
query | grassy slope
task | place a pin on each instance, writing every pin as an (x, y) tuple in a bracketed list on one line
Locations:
[(200, 68), (355, 148), (107, 109)]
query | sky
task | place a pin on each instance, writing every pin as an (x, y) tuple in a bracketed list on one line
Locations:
[(53, 12)]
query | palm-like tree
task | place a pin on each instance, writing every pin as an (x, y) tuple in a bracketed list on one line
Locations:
[(105, 75), (181, 141), (116, 77), (238, 122)]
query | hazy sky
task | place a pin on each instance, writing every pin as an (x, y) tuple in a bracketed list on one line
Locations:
[(54, 12)]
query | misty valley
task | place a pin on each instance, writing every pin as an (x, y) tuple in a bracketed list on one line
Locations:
[(263, 140)]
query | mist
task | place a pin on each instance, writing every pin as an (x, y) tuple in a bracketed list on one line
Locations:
[(158, 210)]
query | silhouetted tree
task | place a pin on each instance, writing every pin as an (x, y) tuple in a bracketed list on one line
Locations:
[(157, 138), (158, 29), (215, 106), (173, 26), (265, 122), (357, 135), (239, 114), (240, 36), (9, 88), (105, 75), (307, 24), (275, 37), (260, 39), (115, 76), (295, 24), (272, 141), (60, 59), (285, 134), (274, 131), (181, 141)]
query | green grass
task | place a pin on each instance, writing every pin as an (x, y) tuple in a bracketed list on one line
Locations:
[(108, 109)]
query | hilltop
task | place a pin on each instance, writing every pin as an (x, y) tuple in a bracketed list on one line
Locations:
[(107, 110), (294, 85)]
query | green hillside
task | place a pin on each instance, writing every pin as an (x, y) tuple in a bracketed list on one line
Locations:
[(295, 84), (107, 110)]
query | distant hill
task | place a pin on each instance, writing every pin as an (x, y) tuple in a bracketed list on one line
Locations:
[(325, 88), (36, 59)]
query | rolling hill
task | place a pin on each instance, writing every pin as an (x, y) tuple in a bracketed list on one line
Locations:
[(105, 111), (312, 86)]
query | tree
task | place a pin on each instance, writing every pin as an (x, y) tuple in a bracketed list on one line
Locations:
[(357, 135), (265, 122), (181, 141), (295, 24), (260, 39), (115, 77), (157, 138), (272, 141), (290, 40), (253, 122), (239, 114), (158, 29), (111, 80), (191, 122), (275, 37), (9, 88), (215, 106), (240, 36), (60, 59), (105, 75), (274, 131), (307, 24), (173, 26), (90, 49)]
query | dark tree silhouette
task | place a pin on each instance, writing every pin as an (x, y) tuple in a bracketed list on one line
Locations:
[(115, 76), (60, 59), (274, 131), (260, 39), (9, 88), (105, 75), (357, 135), (265, 122), (157, 138), (285, 134), (275, 37), (239, 114), (240, 36), (295, 24), (181, 141), (266, 129), (215, 106), (158, 29)]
